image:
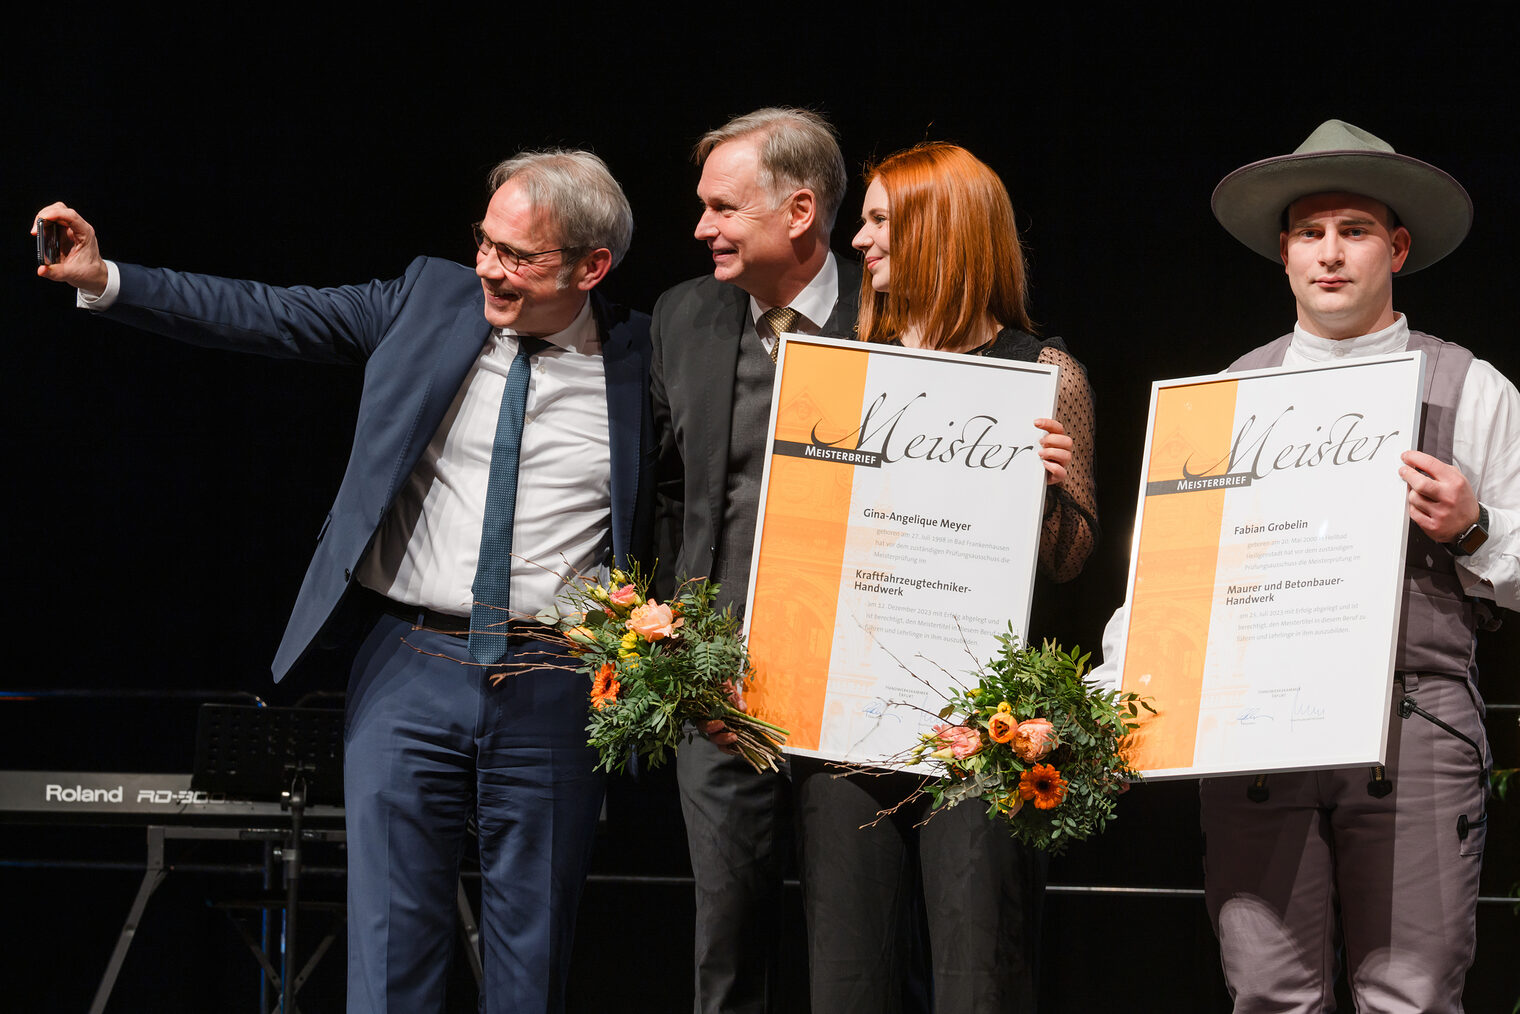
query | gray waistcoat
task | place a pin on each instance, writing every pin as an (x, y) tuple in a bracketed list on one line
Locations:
[(1439, 619), (754, 377)]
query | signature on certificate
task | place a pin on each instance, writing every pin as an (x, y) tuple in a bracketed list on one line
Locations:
[(1304, 711), (1300, 710)]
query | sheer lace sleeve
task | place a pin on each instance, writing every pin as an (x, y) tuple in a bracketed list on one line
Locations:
[(1071, 509)]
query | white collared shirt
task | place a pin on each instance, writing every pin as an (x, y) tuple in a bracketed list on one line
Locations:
[(428, 546), (815, 302)]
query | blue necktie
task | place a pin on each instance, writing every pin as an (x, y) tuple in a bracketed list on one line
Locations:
[(493, 574)]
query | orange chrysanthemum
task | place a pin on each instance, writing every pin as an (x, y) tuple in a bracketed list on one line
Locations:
[(1044, 785), (604, 689), (1002, 727)]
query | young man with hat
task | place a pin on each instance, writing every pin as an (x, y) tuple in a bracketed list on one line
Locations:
[(1397, 847)]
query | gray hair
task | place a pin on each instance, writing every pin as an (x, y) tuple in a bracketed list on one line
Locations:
[(799, 149), (577, 189)]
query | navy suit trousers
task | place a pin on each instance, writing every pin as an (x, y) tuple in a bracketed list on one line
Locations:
[(428, 742)]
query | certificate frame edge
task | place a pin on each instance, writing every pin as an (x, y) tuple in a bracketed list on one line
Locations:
[(869, 348), (1414, 355)]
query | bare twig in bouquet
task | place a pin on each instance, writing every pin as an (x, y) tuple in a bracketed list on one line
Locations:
[(535, 661), (521, 662), (966, 645), (976, 665), (912, 673), (918, 793), (537, 626)]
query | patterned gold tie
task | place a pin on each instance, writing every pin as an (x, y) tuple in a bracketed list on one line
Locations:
[(777, 321)]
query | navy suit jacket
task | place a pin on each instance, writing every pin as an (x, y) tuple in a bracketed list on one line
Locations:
[(416, 337)]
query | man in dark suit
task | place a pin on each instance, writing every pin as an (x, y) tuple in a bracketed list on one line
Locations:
[(520, 436), (772, 181)]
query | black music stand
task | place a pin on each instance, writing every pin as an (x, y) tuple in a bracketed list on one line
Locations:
[(293, 756)]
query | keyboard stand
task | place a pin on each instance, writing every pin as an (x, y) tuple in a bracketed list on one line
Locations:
[(261, 950), (157, 871)]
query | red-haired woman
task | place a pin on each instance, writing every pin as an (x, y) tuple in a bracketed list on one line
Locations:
[(943, 270)]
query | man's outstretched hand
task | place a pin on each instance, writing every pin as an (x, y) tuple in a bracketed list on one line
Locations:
[(80, 263)]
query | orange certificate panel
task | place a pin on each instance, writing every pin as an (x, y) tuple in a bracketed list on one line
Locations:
[(899, 527), (1266, 576)]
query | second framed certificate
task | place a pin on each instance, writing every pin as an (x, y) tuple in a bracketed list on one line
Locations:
[(899, 528), (1267, 571)]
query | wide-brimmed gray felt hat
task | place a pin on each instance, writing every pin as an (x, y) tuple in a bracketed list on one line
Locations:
[(1341, 158)]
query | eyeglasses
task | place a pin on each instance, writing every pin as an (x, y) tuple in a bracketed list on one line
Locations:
[(510, 259)]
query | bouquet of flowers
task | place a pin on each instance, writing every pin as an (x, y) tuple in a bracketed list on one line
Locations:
[(658, 665), (1034, 742)]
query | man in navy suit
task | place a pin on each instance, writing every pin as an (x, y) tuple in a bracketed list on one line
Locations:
[(552, 381)]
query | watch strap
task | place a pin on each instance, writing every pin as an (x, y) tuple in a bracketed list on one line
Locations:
[(1471, 540)]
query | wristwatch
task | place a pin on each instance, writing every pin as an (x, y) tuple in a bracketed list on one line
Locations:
[(1468, 542)]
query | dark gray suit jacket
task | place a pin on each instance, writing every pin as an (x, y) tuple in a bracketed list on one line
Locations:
[(695, 332)]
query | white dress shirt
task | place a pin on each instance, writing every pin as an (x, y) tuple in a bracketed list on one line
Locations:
[(815, 302), (428, 546), (1485, 448)]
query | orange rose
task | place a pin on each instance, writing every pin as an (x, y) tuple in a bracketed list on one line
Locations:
[(958, 742), (625, 596), (1034, 740), (654, 621)]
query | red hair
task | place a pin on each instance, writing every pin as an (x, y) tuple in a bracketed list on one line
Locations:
[(956, 256)]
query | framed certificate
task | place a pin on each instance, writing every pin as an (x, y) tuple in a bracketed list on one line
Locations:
[(899, 530), (1266, 573)]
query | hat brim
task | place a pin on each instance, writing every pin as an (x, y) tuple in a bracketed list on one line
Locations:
[(1433, 206)]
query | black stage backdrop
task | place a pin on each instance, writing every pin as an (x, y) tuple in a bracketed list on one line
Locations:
[(164, 499)]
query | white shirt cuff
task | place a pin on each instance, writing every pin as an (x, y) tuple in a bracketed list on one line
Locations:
[(1107, 675), (1491, 572), (85, 301)]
